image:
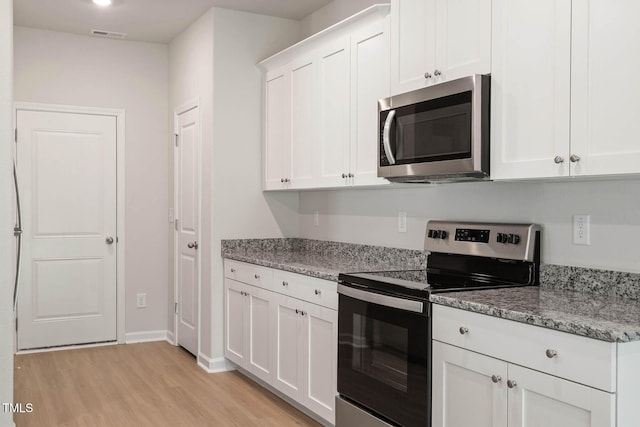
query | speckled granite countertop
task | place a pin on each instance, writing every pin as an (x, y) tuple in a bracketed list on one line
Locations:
[(321, 259), (602, 317)]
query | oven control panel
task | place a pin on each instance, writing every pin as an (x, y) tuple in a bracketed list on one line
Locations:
[(508, 241)]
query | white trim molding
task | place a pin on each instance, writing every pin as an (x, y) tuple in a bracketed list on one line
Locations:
[(145, 336), (213, 366), (119, 114), (171, 338)]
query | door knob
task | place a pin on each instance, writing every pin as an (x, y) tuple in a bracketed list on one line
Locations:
[(192, 245), (109, 240)]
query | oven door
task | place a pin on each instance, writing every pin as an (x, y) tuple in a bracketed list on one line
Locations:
[(383, 355)]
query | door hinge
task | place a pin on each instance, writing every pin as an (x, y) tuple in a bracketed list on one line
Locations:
[(15, 135), (176, 139), (16, 324), (175, 222), (175, 307)]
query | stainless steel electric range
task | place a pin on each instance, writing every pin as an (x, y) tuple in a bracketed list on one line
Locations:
[(384, 318)]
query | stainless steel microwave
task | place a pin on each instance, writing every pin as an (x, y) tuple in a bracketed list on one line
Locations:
[(438, 133)]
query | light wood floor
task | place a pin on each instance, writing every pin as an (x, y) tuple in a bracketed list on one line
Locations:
[(150, 384)]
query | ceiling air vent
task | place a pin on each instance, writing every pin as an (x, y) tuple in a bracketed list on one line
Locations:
[(108, 34)]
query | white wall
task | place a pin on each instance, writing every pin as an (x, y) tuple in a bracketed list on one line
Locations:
[(215, 60), (6, 210), (60, 68), (332, 13), (370, 216)]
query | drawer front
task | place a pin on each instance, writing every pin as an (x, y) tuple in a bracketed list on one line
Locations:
[(576, 358), (249, 273), (307, 288)]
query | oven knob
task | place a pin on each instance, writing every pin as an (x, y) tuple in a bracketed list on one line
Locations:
[(502, 238), (516, 239), (430, 234), (443, 234)]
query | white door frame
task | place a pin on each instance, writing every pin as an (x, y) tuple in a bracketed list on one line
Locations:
[(119, 114), (180, 110)]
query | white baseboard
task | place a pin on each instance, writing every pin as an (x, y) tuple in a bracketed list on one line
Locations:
[(146, 336), (213, 366), (171, 338)]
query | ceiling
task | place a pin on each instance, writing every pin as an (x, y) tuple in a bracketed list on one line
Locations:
[(144, 20)]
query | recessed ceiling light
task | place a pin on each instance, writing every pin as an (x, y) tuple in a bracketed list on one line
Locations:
[(102, 2)]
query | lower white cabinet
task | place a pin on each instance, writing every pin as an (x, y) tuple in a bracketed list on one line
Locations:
[(287, 336), (473, 389), (489, 371)]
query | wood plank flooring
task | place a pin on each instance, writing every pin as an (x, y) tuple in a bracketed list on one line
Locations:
[(149, 384)]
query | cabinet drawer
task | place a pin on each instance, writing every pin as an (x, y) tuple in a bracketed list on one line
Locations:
[(584, 360), (307, 288), (249, 273)]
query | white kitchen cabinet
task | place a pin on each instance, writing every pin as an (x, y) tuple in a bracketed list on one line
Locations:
[(438, 40), (474, 389), (559, 105), (328, 119), (282, 327), (248, 320), (550, 378)]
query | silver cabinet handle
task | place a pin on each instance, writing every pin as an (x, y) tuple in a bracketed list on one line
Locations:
[(386, 137), (192, 245), (496, 378), (318, 292), (285, 284), (109, 240), (551, 353), (511, 384), (437, 73), (574, 158), (558, 160), (233, 270), (463, 330), (427, 75)]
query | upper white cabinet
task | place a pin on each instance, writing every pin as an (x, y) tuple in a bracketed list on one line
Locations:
[(559, 106), (321, 105), (437, 40)]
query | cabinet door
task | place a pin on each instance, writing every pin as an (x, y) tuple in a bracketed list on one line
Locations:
[(261, 316), (369, 82), (413, 24), (604, 107), (530, 88), (335, 116), (235, 348), (543, 400), (303, 121), (463, 38), (289, 346), (277, 144), (320, 355), (464, 392)]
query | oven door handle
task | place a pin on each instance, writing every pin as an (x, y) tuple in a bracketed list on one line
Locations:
[(384, 300), (386, 137)]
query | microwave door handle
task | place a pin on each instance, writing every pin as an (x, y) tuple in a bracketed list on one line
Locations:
[(386, 137)]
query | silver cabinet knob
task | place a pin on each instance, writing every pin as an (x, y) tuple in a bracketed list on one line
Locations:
[(463, 330), (437, 73), (285, 284), (344, 175), (109, 240), (511, 384), (297, 311), (233, 270), (496, 378), (558, 160), (257, 276), (282, 180), (551, 353), (574, 158), (427, 75), (318, 292), (350, 175), (192, 245)]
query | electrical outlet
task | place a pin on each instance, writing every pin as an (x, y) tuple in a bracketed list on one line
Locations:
[(141, 300), (581, 229), (316, 219), (402, 222)]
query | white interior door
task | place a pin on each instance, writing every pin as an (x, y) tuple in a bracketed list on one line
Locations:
[(67, 172), (187, 191)]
